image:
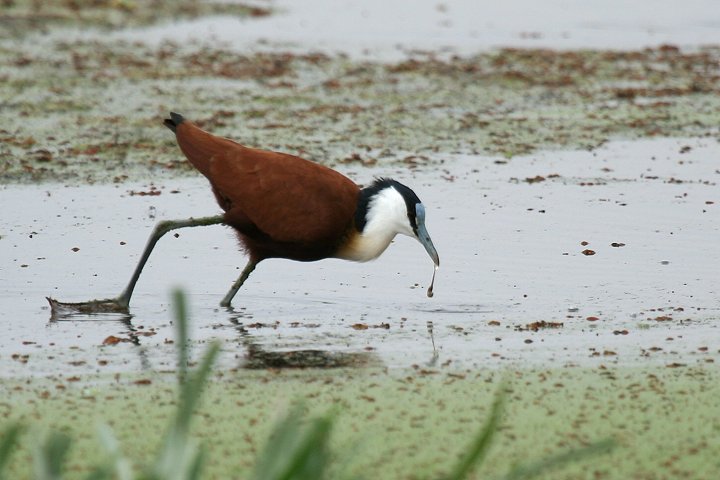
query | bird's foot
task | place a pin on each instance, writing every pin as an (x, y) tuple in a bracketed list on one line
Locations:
[(108, 305)]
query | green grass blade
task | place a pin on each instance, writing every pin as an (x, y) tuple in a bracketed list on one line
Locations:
[(195, 468), (297, 449), (117, 467), (103, 472), (49, 456), (191, 385), (279, 447), (8, 444), (181, 324), (311, 459), (478, 448), (191, 390), (180, 458), (556, 461)]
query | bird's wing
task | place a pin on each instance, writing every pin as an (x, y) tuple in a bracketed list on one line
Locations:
[(286, 197)]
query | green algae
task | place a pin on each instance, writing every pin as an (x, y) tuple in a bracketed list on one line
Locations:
[(394, 425), (83, 101), (18, 17)]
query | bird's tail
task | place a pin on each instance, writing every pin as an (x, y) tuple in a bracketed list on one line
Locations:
[(198, 145), (174, 121)]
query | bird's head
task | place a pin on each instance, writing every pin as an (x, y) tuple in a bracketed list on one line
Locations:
[(386, 208)]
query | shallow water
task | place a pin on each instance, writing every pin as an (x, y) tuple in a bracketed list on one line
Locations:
[(510, 252), (390, 30)]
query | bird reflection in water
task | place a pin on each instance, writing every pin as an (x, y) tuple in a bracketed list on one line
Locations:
[(128, 333), (259, 356)]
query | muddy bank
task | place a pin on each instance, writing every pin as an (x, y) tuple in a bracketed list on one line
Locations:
[(91, 110)]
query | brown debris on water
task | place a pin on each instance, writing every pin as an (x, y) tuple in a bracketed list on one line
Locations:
[(327, 108), (539, 325), (365, 326), (23, 18)]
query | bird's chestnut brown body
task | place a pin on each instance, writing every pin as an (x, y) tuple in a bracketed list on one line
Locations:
[(281, 205)]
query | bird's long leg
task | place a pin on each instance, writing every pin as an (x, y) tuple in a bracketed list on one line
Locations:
[(238, 283), (121, 303), (161, 229)]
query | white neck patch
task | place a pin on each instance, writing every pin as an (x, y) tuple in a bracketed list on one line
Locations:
[(386, 217)]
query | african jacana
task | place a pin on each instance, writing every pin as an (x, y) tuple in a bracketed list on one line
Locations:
[(283, 206)]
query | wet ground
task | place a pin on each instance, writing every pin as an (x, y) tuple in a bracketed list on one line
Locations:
[(86, 106), (571, 192), (562, 258)]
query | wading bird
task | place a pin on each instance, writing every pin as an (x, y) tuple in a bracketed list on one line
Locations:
[(283, 206)]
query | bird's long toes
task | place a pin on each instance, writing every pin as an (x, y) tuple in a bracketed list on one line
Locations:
[(108, 305)]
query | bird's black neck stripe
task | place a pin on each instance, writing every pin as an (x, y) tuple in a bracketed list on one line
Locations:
[(367, 194)]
